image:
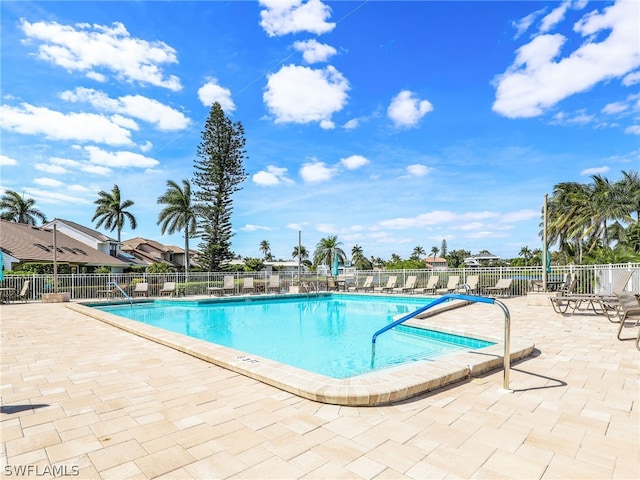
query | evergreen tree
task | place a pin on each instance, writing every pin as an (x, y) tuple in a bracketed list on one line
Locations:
[(218, 173)]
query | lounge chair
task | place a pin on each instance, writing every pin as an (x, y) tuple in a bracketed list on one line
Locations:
[(274, 283), (501, 287), (452, 283), (141, 290), (247, 285), (621, 282), (24, 291), (391, 283), (331, 284), (367, 285), (227, 285), (409, 285), (169, 288), (470, 286), (628, 306), (431, 285)]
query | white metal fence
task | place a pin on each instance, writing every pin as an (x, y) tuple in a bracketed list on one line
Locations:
[(591, 279)]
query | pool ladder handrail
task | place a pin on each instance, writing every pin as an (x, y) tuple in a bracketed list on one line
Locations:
[(119, 288), (467, 298)]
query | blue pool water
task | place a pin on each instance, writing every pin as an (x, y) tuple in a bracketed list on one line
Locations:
[(328, 335)]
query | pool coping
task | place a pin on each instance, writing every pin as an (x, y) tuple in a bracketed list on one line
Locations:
[(381, 387)]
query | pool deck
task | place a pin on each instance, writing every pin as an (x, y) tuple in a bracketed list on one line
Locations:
[(81, 395)]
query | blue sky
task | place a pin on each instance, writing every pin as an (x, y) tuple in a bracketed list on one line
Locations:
[(389, 124)]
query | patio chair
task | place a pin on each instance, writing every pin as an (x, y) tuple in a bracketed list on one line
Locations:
[(470, 286), (274, 283), (621, 282), (501, 287), (391, 283), (628, 306), (452, 283), (227, 285), (169, 288), (24, 291), (331, 284), (141, 290), (367, 285), (409, 285), (431, 285), (247, 285)]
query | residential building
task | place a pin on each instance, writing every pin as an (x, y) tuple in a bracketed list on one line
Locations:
[(482, 259), (436, 263), (21, 243)]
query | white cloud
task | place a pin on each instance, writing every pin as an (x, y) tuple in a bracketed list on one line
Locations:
[(50, 168), (48, 182), (418, 170), (633, 130), (537, 80), (631, 79), (595, 170), (56, 198), (254, 228), (83, 127), (315, 172), (314, 51), (578, 118), (211, 92), (272, 176), (96, 49), (121, 159), (7, 161), (298, 94), (351, 124), (524, 23), (406, 109), (615, 107), (137, 106), (556, 16), (354, 162), (281, 17)]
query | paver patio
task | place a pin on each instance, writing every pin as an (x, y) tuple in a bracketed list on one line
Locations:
[(92, 401)]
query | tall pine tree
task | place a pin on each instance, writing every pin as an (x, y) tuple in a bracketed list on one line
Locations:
[(218, 173)]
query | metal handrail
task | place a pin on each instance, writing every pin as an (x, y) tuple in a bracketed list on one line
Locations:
[(467, 298), (118, 287)]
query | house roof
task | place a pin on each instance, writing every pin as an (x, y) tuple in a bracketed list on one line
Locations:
[(35, 244), (435, 260), (81, 228)]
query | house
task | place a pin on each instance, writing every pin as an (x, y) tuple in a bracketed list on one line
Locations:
[(482, 259), (94, 239), (22, 243), (437, 263), (151, 251)]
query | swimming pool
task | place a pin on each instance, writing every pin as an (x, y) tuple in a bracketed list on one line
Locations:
[(379, 387), (329, 335)]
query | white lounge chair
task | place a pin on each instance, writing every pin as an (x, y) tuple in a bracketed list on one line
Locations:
[(452, 283), (274, 283), (391, 283), (169, 288), (141, 289), (409, 285), (228, 285), (247, 285), (501, 287), (367, 285)]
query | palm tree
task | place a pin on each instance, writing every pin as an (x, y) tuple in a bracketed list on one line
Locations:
[(112, 212), (302, 251), (327, 249), (630, 192), (179, 214), (526, 253), (434, 251), (417, 251), (265, 248), (16, 208)]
